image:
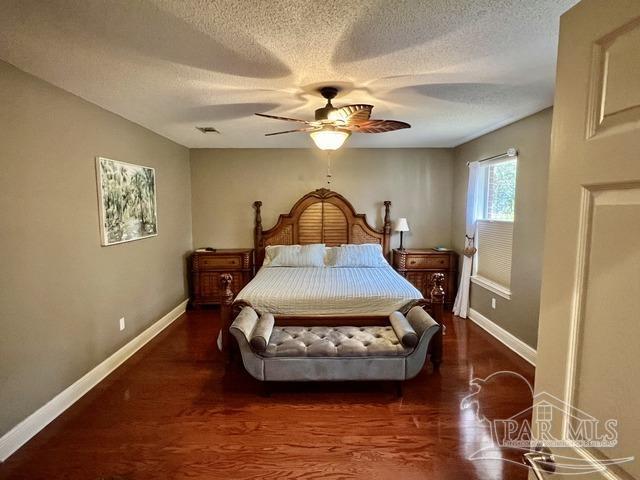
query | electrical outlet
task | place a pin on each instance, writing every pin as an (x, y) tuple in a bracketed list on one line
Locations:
[(493, 303), (122, 324)]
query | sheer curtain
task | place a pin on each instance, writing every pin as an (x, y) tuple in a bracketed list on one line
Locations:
[(461, 305)]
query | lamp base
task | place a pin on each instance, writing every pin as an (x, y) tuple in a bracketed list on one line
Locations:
[(401, 247)]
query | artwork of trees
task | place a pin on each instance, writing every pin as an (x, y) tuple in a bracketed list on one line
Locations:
[(128, 201)]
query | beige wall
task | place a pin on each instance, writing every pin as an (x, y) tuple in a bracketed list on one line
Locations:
[(226, 182), (531, 136), (61, 293)]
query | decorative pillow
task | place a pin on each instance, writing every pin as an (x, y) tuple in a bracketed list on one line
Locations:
[(403, 330), (330, 256), (295, 255), (365, 255), (262, 332)]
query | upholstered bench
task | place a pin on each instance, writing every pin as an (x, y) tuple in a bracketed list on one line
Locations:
[(281, 353)]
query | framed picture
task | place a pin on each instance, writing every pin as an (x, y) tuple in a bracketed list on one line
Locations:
[(127, 198)]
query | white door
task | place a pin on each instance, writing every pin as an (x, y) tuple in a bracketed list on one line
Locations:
[(588, 359)]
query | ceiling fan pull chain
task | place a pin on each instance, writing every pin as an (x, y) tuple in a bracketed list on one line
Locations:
[(329, 169)]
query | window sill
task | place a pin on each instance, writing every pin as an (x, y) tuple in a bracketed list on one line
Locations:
[(489, 220), (494, 287)]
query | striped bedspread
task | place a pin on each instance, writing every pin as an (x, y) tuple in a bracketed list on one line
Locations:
[(328, 291)]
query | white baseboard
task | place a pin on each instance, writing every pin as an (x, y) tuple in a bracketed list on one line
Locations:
[(22, 433), (512, 342)]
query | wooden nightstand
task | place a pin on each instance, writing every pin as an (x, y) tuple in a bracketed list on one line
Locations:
[(205, 270), (418, 265)]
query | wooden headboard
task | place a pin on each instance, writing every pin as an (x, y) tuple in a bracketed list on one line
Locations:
[(322, 216)]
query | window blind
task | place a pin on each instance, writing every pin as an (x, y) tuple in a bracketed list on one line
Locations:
[(494, 243)]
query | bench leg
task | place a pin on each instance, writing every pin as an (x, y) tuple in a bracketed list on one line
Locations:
[(265, 389), (399, 389), (435, 350)]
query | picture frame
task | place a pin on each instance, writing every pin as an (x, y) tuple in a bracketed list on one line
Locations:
[(127, 201)]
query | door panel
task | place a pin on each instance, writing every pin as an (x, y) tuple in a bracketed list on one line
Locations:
[(588, 333), (605, 371), (615, 103)]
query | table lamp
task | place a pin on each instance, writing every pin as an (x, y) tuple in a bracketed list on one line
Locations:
[(402, 226)]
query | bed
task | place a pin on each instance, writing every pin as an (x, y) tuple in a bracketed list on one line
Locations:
[(327, 296), (326, 291)]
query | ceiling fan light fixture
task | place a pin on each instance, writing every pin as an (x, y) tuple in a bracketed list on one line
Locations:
[(330, 138), (332, 126)]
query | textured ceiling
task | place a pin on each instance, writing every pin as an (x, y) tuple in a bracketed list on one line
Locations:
[(453, 69)]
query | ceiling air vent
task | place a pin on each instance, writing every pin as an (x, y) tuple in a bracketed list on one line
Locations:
[(207, 130)]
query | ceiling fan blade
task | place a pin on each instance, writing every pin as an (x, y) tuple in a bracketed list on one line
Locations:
[(282, 118), (354, 114), (308, 129), (378, 126)]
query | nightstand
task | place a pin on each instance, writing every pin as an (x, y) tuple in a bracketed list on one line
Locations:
[(205, 270), (418, 265)]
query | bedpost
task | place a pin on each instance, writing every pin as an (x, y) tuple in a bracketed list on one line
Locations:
[(257, 231), (226, 313), (387, 229), (437, 308)]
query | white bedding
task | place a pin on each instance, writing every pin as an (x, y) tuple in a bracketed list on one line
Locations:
[(328, 291)]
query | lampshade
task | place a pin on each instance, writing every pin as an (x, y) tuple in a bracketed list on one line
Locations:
[(402, 225), (330, 138)]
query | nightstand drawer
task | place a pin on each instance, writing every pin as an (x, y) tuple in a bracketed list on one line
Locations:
[(415, 262), (219, 261)]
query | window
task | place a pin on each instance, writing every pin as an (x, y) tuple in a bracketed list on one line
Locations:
[(500, 191), (495, 205)]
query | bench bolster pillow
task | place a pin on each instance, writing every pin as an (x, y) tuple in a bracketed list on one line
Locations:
[(262, 333), (420, 320), (245, 322), (403, 329)]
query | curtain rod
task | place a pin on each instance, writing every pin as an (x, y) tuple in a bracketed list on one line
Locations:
[(511, 152)]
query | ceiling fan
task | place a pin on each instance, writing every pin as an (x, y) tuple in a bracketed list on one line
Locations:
[(333, 126)]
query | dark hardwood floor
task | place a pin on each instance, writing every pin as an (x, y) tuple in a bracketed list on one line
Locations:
[(173, 411)]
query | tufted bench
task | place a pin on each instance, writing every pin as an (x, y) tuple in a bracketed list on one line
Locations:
[(282, 353)]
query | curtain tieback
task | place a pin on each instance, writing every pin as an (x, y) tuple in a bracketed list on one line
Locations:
[(469, 249)]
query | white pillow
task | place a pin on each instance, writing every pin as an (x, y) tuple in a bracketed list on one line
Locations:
[(294, 255), (365, 255)]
